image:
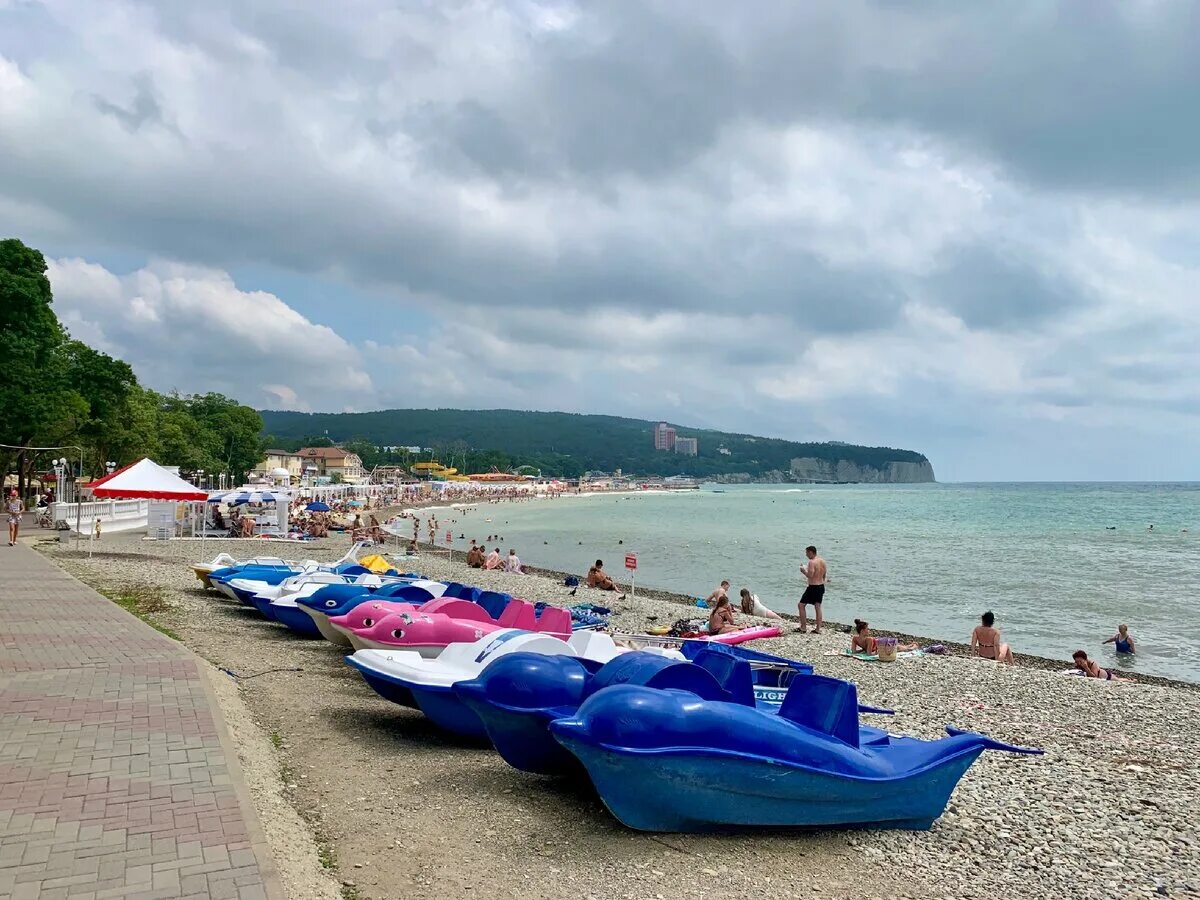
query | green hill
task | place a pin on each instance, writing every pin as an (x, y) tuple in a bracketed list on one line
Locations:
[(568, 444)]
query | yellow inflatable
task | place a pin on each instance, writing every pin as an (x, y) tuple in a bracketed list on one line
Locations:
[(375, 563)]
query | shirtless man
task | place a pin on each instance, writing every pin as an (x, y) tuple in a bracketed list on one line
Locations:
[(815, 571), (722, 591)]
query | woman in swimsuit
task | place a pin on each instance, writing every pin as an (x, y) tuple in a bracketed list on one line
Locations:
[(1122, 639), (720, 620), (752, 606), (863, 642), (986, 643), (1089, 667)]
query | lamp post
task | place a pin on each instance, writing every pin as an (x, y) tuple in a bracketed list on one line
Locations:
[(109, 467), (199, 476)]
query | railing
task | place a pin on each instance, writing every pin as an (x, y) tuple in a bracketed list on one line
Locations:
[(114, 515)]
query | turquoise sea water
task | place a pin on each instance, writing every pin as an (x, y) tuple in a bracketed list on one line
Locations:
[(922, 559)]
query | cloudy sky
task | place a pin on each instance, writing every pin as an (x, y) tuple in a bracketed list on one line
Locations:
[(967, 229)]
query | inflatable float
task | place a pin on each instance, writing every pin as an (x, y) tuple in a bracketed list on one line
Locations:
[(805, 766)]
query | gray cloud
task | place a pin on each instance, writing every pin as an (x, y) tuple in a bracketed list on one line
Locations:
[(810, 214)]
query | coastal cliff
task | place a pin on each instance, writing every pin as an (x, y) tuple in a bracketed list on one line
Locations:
[(807, 468)]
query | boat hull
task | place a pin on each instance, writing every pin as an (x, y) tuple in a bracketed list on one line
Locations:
[(697, 791), (296, 619)]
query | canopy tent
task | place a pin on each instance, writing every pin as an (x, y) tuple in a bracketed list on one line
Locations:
[(146, 480), (233, 498)]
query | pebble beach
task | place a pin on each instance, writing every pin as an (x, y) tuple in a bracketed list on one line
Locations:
[(394, 807)]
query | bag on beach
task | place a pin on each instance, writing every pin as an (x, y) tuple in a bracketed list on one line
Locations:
[(571, 581), (885, 649)]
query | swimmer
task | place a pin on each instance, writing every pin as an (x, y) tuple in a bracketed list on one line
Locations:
[(1123, 641)]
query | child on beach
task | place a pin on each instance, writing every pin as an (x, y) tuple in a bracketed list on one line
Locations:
[(720, 620), (985, 641), (752, 606), (1122, 639), (865, 643)]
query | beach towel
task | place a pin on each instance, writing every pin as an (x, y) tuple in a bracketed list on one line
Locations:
[(872, 657)]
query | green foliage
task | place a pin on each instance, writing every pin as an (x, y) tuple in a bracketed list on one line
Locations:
[(57, 391), (558, 444)]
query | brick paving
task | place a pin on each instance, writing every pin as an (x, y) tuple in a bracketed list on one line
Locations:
[(117, 778)]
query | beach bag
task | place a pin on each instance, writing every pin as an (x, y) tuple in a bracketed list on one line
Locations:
[(571, 581), (885, 649)]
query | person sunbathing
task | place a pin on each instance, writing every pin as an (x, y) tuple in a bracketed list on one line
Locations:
[(720, 620), (863, 641), (598, 578), (752, 606), (986, 643), (475, 558), (1092, 669)]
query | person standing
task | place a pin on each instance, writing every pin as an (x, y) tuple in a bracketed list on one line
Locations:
[(815, 572), (15, 507)]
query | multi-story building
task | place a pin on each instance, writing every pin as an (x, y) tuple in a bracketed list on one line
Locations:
[(687, 446), (332, 462), (280, 459), (664, 437)]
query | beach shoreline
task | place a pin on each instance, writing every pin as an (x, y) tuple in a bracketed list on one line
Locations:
[(405, 808)]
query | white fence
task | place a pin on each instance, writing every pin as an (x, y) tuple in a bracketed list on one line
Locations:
[(114, 515)]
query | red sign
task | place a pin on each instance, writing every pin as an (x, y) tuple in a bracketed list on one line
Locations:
[(631, 560), (449, 537)]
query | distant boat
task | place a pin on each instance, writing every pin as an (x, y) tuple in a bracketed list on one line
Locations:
[(717, 491)]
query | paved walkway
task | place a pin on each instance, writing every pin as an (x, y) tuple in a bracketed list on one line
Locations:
[(117, 778)]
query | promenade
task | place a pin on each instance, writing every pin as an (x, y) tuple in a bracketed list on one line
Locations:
[(117, 778)]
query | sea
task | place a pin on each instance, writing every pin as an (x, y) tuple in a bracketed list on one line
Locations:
[(1060, 565)]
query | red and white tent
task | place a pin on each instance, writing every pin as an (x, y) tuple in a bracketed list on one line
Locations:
[(146, 480)]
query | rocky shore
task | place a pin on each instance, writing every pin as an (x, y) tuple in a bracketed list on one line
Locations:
[(1109, 811)]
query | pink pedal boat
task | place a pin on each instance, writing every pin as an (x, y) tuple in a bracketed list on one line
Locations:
[(429, 628)]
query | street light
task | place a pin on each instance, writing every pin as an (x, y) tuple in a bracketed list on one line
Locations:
[(199, 476), (109, 467)]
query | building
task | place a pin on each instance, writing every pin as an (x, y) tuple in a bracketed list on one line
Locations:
[(687, 446), (331, 462), (664, 437), (280, 459)]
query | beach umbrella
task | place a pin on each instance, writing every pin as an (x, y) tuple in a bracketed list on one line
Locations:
[(235, 498), (355, 503), (317, 506)]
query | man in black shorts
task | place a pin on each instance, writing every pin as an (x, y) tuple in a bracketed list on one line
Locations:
[(814, 571)]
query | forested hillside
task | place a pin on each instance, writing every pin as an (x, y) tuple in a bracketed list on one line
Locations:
[(565, 444)]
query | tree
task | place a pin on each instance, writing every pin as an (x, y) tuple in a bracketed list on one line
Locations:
[(36, 403)]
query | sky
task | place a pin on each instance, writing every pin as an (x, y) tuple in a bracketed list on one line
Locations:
[(971, 230)]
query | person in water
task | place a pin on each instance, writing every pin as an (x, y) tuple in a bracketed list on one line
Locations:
[(752, 606), (1090, 668), (986, 643), (720, 620), (865, 643), (1122, 639)]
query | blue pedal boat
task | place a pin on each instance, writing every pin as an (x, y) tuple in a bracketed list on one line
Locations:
[(517, 697), (669, 760)]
